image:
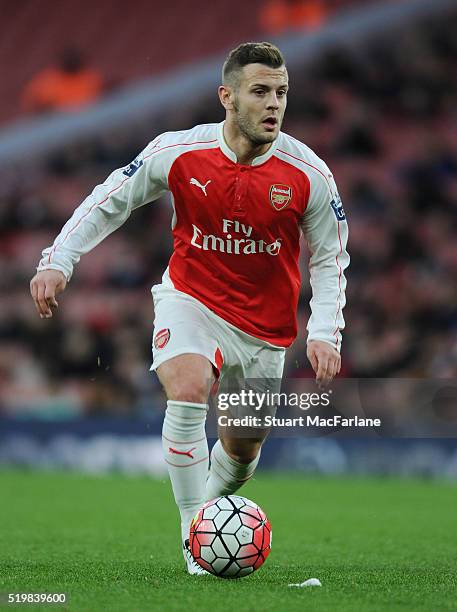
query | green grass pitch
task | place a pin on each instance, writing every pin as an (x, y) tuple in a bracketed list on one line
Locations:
[(111, 543)]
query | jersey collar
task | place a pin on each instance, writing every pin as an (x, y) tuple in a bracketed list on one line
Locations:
[(227, 151)]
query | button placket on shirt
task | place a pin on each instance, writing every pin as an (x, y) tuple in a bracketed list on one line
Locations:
[(241, 187)]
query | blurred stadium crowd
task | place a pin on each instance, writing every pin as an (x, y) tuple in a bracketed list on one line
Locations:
[(383, 116)]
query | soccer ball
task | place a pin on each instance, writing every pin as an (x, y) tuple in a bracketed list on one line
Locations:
[(230, 536)]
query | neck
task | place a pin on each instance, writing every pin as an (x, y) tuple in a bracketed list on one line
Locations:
[(243, 148)]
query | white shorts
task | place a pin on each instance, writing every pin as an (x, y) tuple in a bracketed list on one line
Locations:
[(182, 324)]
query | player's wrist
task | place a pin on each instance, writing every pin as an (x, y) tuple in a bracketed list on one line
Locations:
[(64, 273), (334, 345)]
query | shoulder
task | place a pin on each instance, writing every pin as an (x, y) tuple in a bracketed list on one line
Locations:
[(302, 157), (200, 136), (161, 153)]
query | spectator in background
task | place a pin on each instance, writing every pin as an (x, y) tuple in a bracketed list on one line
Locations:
[(66, 87)]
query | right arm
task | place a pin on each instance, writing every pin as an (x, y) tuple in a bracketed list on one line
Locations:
[(103, 211)]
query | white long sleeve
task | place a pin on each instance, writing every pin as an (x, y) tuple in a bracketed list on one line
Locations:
[(199, 171), (325, 228), (108, 207)]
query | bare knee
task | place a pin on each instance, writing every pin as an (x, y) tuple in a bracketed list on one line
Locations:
[(194, 391), (242, 450), (186, 378)]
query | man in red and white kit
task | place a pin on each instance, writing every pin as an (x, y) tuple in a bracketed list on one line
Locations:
[(242, 192)]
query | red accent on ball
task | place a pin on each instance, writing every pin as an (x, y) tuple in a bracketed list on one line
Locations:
[(250, 521), (207, 525), (252, 512), (258, 538), (249, 556), (205, 539), (259, 562), (249, 561), (248, 550)]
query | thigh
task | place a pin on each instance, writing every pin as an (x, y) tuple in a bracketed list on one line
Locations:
[(182, 327), (186, 378), (267, 364), (255, 385), (257, 367)]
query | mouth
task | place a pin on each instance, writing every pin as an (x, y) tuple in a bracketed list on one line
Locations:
[(270, 123)]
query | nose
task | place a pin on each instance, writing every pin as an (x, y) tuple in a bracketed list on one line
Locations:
[(273, 102)]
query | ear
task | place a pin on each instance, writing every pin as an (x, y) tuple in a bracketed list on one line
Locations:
[(226, 96)]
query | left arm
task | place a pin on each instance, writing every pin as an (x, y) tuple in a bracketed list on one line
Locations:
[(325, 229)]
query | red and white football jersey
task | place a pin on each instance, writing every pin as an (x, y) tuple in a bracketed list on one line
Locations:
[(236, 229)]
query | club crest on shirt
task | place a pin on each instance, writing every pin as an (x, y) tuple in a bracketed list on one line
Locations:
[(161, 338), (280, 196)]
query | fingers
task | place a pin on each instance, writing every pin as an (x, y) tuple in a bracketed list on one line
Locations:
[(44, 287), (44, 297), (45, 310), (326, 362), (333, 366), (49, 296), (34, 293), (313, 360), (328, 369), (322, 374)]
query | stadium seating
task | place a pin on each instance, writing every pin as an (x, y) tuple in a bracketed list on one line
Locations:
[(382, 118)]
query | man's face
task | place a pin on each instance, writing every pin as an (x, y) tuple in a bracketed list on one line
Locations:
[(259, 102)]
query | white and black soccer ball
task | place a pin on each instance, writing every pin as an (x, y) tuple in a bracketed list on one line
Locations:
[(230, 536)]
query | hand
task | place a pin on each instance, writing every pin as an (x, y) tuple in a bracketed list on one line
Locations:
[(44, 287), (325, 360)]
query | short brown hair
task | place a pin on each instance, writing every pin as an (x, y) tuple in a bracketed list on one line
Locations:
[(251, 53)]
